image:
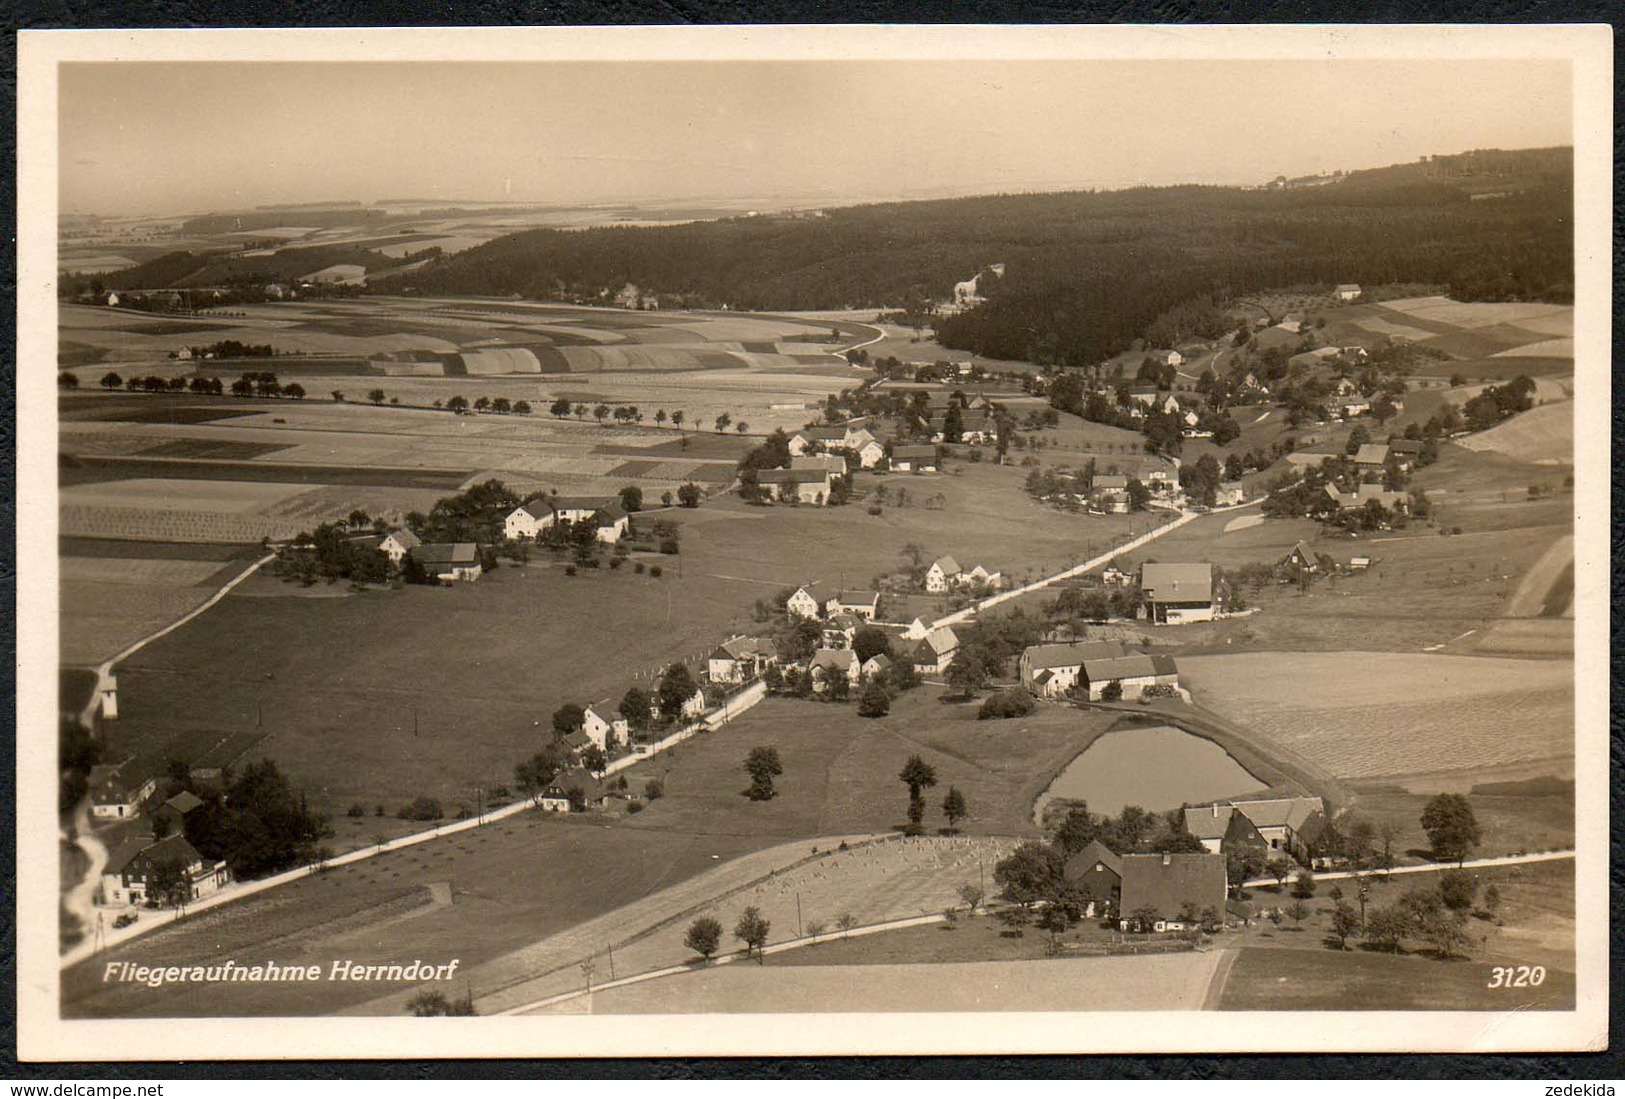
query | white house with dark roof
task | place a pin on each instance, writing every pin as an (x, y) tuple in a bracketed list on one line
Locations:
[(1177, 593), (807, 601), (397, 543), (807, 486), (115, 795), (829, 664), (918, 458), (935, 651), (604, 725), (741, 659), (449, 562), (942, 575), (1347, 291), (840, 630), (832, 464), (127, 877), (859, 604), (1051, 671)]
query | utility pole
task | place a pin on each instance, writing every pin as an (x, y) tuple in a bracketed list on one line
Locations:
[(798, 914), (612, 961)]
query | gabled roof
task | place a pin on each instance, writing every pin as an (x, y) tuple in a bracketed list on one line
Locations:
[(842, 621), (823, 433), (815, 589), (575, 740), (142, 850), (1208, 822), (577, 503), (1348, 288), (940, 640), (364, 541), (741, 648), (1108, 481), (908, 453), (184, 802), (791, 476), (446, 553), (1371, 454), (404, 538), (947, 565), (536, 509), (1168, 882), (1280, 812), (1163, 664), (1405, 446), (1084, 861), (880, 661), (1132, 666), (609, 514), (1177, 583), (605, 711), (858, 598), (839, 660), (1072, 655)]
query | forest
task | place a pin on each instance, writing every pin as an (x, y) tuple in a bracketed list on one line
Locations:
[(1085, 272)]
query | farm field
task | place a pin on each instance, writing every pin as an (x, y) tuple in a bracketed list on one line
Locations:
[(1373, 714), (1544, 435), (1483, 340), (1172, 982)]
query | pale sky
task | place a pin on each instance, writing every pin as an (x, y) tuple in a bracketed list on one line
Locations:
[(174, 137)]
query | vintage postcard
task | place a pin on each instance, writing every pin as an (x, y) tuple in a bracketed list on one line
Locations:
[(813, 540)]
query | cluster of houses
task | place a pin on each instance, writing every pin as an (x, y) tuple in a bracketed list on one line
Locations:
[(133, 871), (944, 575), (1086, 669), (852, 437), (1150, 892), (809, 478), (1108, 494), (446, 562)]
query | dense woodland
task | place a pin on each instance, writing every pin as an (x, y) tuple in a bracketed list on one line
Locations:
[(1085, 272)]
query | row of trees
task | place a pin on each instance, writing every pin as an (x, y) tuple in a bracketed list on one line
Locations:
[(627, 415)]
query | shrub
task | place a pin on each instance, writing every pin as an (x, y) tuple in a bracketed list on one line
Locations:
[(569, 570), (358, 810), (637, 567), (654, 790), (615, 562), (421, 808), (634, 807), (668, 546), (1112, 692), (655, 571), (1005, 704)]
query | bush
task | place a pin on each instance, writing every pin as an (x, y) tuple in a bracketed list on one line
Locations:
[(1112, 692), (569, 570), (634, 807), (615, 562), (421, 808), (654, 790), (668, 546), (637, 567), (1005, 704), (358, 810), (655, 571)]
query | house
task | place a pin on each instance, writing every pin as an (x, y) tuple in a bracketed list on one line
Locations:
[(1132, 672), (612, 523), (1347, 291), (806, 601), (916, 629), (1219, 827), (127, 879), (1229, 494), (578, 787), (840, 630), (1301, 559), (1109, 492), (1406, 452), (1166, 358), (1359, 562), (1171, 892), (877, 665), (552, 800), (943, 574), (1053, 671), (174, 811), (1354, 406), (1393, 500), (829, 664), (935, 651), (1322, 842), (811, 440), (981, 577), (534, 516), (807, 486), (604, 725), (741, 659), (1281, 821), (1177, 593), (529, 519), (1371, 456), (914, 459), (398, 543), (448, 562), (116, 796), (859, 604), (1144, 394), (833, 464), (1114, 577), (1096, 873), (869, 451)]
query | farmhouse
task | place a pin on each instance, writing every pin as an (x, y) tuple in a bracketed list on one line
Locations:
[(829, 664), (859, 604), (1221, 829), (981, 576), (1393, 500), (529, 519), (806, 486), (604, 725), (1281, 821), (943, 574), (127, 879), (877, 665), (1096, 873), (1166, 358), (398, 543), (914, 459), (741, 659), (840, 630), (1301, 559), (1179, 593), (552, 800), (1229, 494), (578, 787), (806, 601), (1144, 394), (535, 516), (868, 450), (1051, 671), (935, 651), (1132, 672), (1406, 452), (175, 811), (832, 464), (114, 796), (1171, 892), (1347, 291), (1109, 493), (449, 562), (811, 440), (1371, 456)]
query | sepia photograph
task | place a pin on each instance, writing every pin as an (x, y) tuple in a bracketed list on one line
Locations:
[(813, 540)]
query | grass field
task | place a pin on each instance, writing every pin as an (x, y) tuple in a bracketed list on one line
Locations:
[(1373, 714), (1173, 982), (1544, 435)]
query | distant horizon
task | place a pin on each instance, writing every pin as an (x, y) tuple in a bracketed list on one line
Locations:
[(774, 134)]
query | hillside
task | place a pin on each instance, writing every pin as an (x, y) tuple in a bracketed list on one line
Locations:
[(1085, 271)]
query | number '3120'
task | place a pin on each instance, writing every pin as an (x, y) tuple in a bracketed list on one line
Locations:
[(1517, 976)]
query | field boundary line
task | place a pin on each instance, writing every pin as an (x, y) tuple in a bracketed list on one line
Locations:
[(106, 668), (1427, 867)]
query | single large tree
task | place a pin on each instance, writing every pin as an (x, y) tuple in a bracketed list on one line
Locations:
[(954, 808), (752, 930), (917, 774), (1451, 827), (875, 701), (1030, 874), (763, 766), (703, 937), (677, 686)]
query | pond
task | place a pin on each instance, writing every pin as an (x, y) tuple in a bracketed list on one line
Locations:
[(1156, 768)]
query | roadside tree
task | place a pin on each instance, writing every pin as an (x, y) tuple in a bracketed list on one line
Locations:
[(703, 937), (752, 930), (1452, 829)]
